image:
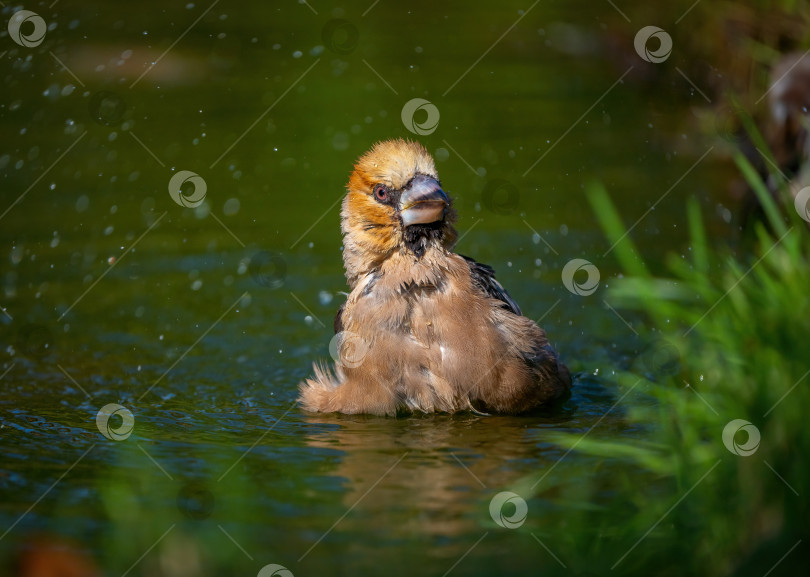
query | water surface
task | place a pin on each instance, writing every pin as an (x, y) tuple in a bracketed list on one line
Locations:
[(113, 293)]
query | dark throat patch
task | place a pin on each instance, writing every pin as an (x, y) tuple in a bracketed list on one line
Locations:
[(418, 236)]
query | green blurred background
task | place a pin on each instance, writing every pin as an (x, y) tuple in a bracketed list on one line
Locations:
[(201, 321)]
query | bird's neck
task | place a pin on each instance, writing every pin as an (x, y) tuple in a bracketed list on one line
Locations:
[(417, 252)]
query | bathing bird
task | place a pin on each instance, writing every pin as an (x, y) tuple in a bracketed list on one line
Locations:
[(424, 329)]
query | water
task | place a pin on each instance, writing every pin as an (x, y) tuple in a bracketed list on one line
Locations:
[(113, 293)]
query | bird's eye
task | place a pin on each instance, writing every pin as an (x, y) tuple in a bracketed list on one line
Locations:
[(380, 192)]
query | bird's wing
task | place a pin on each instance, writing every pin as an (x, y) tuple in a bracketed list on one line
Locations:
[(483, 277)]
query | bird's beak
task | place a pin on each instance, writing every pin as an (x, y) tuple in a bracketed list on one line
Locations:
[(423, 201)]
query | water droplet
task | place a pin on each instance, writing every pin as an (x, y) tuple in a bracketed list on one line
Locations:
[(231, 206)]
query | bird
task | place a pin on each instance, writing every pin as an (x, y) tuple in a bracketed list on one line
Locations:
[(423, 329)]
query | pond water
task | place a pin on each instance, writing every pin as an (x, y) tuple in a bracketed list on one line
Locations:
[(201, 321)]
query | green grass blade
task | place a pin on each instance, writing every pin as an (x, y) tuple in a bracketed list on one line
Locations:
[(618, 235), (763, 195)]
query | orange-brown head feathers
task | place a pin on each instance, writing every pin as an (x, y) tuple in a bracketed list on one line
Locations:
[(394, 203)]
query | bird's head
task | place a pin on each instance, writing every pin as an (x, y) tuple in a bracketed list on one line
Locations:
[(394, 203)]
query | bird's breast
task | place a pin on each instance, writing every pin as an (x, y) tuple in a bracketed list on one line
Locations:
[(435, 326)]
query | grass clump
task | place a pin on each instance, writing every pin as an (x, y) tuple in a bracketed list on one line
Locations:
[(725, 398)]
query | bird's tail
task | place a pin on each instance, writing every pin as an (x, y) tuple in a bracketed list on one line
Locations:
[(316, 391)]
